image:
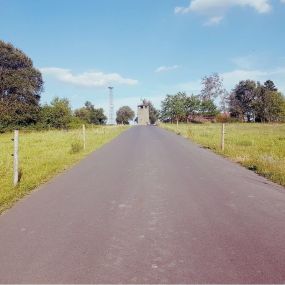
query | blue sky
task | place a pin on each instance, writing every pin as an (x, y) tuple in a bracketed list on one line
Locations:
[(145, 48)]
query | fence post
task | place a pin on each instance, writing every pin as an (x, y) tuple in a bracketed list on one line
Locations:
[(16, 157), (84, 136), (223, 137)]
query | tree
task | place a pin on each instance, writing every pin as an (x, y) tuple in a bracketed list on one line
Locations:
[(193, 104), (90, 115), (269, 85), (99, 117), (166, 112), (270, 104), (58, 114), (242, 100), (124, 115), (174, 107), (181, 107), (208, 108), (20, 88), (212, 87), (257, 102), (153, 112)]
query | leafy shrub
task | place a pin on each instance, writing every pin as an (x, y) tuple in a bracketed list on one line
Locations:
[(76, 147)]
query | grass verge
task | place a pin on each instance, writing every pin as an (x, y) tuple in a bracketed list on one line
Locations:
[(43, 155), (259, 147)]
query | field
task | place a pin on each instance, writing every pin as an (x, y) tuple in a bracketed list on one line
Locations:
[(259, 147), (44, 154)]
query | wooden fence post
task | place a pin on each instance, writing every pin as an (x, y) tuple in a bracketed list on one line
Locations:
[(16, 158), (84, 136), (223, 137)]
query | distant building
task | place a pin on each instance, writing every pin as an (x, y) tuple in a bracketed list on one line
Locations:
[(143, 114)]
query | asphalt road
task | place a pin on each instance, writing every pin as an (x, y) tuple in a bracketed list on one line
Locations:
[(149, 207)]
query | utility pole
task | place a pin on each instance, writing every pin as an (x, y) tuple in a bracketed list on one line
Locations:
[(111, 106)]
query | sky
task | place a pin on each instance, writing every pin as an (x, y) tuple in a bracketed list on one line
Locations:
[(145, 48)]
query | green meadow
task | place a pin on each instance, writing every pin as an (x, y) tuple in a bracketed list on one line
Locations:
[(259, 147), (42, 155)]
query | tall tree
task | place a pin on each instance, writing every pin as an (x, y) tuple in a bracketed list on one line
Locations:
[(174, 107), (124, 115), (270, 104), (193, 104), (212, 87), (257, 102), (242, 100), (20, 88)]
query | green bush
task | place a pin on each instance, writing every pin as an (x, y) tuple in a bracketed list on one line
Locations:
[(76, 147)]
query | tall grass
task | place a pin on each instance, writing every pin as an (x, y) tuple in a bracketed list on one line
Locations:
[(259, 147), (44, 154)]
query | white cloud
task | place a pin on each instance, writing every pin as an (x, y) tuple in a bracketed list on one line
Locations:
[(215, 9), (282, 1), (87, 79), (204, 6), (214, 21), (231, 78), (166, 68)]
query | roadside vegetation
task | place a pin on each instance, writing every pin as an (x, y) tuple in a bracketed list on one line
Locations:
[(259, 147), (248, 101), (51, 134), (254, 114), (21, 86), (43, 155)]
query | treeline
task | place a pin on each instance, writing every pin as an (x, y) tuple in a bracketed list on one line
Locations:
[(255, 102), (58, 114), (249, 101), (183, 108), (20, 87)]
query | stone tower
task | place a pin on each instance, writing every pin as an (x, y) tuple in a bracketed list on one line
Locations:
[(143, 114)]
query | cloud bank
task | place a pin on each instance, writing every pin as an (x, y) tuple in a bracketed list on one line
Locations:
[(215, 9), (231, 78), (87, 79), (261, 6)]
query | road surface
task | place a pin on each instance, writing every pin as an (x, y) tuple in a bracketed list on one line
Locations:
[(149, 207)]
